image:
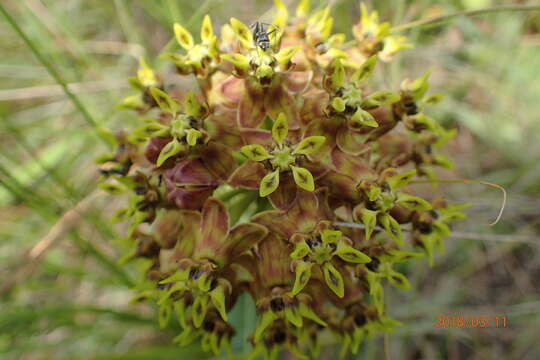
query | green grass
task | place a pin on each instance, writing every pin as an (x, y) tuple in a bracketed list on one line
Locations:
[(75, 303)]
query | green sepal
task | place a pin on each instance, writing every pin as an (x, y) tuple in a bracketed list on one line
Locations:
[(239, 61), (303, 178), (329, 236), (443, 161), (418, 87), (293, 316), (199, 309), (187, 336), (242, 32), (151, 129), (302, 276), (180, 310), (171, 149), (269, 183), (176, 277), (164, 314), (345, 344), (207, 30), (338, 75), (362, 118), (433, 99), (255, 152), (400, 180), (398, 280), (113, 189), (285, 55), (301, 249), (373, 192), (192, 135), (369, 219), (377, 294), (365, 71), (392, 228), (164, 101), (280, 129), (218, 299), (380, 98), (183, 36), (165, 295), (413, 202), (338, 104), (333, 279), (309, 145), (357, 337), (306, 312), (192, 107), (145, 75), (265, 321), (350, 254)]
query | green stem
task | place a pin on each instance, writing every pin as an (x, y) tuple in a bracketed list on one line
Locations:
[(443, 18), (53, 72)]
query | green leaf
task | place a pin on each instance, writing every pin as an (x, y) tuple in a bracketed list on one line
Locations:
[(303, 178), (302, 275), (183, 36), (400, 180), (365, 71), (413, 202), (350, 254), (269, 183), (333, 279), (171, 149), (164, 101), (309, 145)]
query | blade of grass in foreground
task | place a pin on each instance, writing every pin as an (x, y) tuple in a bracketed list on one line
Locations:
[(56, 76), (444, 18)]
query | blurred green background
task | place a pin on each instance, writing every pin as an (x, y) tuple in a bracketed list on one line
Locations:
[(62, 292)]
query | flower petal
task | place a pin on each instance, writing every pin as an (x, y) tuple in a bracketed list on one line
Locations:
[(255, 152), (248, 175), (217, 158), (242, 238), (303, 274), (214, 229)]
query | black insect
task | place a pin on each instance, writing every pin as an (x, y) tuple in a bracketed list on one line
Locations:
[(260, 34)]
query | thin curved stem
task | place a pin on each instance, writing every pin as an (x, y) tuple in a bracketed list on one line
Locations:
[(53, 72), (447, 17)]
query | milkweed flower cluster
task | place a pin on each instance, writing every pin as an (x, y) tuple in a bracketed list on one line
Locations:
[(284, 177)]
